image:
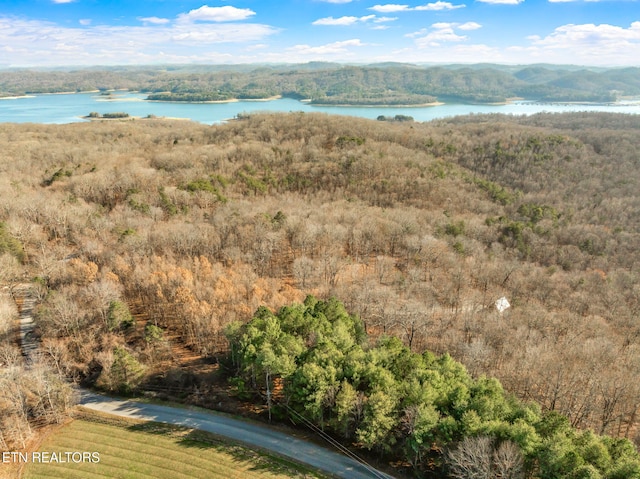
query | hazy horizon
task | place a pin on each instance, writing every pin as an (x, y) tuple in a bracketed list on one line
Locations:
[(515, 66)]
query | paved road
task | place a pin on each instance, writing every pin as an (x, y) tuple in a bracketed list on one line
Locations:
[(247, 433)]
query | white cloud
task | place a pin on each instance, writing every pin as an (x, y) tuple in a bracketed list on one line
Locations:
[(85, 22), (609, 46), (384, 19), (438, 37), (208, 34), (336, 21), (502, 2), (592, 35), (442, 32), (453, 53), (447, 25), (438, 6), (469, 26), (328, 49), (442, 25), (346, 21), (37, 43), (588, 44), (156, 40), (154, 20), (422, 31), (62, 1), (390, 8), (592, 39), (215, 14), (257, 46)]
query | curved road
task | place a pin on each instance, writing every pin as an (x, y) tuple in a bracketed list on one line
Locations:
[(252, 435)]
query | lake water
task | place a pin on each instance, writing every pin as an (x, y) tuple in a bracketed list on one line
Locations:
[(69, 108)]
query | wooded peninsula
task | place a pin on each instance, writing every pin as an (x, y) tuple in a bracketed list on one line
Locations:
[(336, 84), (337, 270)]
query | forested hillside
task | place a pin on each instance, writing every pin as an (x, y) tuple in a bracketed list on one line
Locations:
[(147, 236), (333, 84), (416, 409)]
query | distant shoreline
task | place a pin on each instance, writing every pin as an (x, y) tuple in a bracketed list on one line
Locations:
[(307, 101), (17, 97), (101, 118), (130, 118), (70, 92), (620, 102), (230, 100), (348, 105), (33, 95)]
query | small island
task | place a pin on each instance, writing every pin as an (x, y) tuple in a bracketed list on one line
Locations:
[(94, 115)]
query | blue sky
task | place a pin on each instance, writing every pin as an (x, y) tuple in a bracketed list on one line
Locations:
[(120, 32)]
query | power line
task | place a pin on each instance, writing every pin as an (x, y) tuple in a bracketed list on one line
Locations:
[(336, 444)]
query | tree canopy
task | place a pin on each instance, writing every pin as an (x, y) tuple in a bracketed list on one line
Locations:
[(421, 408)]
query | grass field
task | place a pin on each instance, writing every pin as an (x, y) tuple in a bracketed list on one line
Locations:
[(137, 450)]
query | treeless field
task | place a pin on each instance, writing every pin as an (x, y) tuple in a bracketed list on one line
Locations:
[(134, 449)]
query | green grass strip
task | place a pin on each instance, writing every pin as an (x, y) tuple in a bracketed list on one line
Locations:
[(151, 450)]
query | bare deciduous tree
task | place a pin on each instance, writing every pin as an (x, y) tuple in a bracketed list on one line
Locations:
[(508, 462), (479, 458), (472, 459)]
